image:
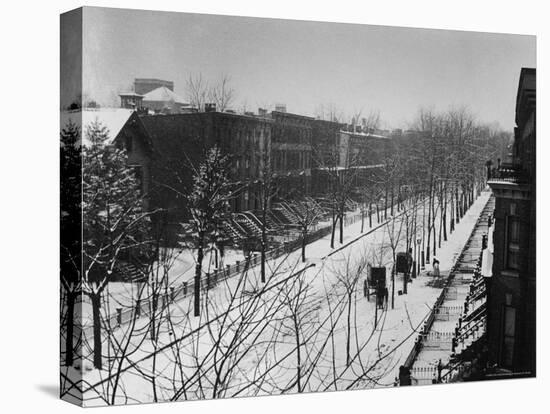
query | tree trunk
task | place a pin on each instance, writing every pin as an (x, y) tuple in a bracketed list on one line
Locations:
[(393, 283), (444, 225), (332, 234), (342, 228), (69, 354), (452, 219), (457, 208), (370, 215), (348, 337), (298, 357), (428, 241), (440, 233), (386, 204), (96, 309), (198, 271), (264, 243), (304, 234), (392, 200)]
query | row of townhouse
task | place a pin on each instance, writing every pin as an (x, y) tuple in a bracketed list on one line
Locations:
[(165, 149)]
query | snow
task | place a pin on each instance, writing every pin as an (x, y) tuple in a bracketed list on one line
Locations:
[(438, 352), (112, 118), (162, 94), (267, 353)]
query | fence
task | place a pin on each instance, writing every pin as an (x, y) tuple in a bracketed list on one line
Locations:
[(445, 313), (424, 374), (144, 307), (211, 279), (439, 340)]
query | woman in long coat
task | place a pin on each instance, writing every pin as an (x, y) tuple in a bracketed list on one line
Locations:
[(435, 265)]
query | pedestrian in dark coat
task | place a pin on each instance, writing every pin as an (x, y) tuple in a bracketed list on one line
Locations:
[(435, 265)]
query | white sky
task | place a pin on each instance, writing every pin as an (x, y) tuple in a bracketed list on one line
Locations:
[(304, 64)]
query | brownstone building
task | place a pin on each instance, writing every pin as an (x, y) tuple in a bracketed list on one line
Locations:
[(167, 148), (362, 149), (511, 303), (291, 152)]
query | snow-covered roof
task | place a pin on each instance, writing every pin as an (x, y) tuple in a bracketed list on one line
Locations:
[(112, 118), (365, 134), (162, 94), (351, 167)]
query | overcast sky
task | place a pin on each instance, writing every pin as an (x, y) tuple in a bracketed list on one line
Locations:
[(304, 64)]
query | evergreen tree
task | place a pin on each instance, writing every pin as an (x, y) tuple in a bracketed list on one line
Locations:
[(208, 205), (115, 226), (70, 227)]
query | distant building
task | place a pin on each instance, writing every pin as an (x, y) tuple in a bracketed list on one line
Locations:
[(131, 100), (143, 86), (362, 148), (511, 303), (280, 108), (164, 100)]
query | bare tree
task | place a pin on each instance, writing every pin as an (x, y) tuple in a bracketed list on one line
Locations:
[(394, 227), (308, 214), (197, 91), (348, 277), (371, 121), (268, 191), (329, 112), (221, 93)]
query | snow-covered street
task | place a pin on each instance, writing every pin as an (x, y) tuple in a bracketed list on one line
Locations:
[(309, 328)]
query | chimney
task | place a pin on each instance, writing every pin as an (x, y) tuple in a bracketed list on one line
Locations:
[(280, 108), (262, 112)]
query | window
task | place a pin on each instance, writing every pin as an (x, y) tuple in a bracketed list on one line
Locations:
[(508, 337), (512, 241)]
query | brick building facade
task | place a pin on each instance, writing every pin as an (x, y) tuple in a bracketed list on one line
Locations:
[(292, 152), (511, 316), (166, 149)]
